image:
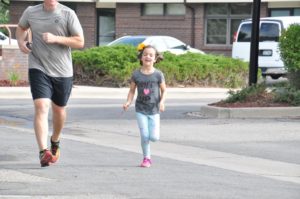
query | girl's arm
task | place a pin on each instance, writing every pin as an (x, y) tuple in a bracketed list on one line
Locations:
[(163, 92), (130, 96)]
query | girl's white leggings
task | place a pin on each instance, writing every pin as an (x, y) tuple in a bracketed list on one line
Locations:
[(149, 126)]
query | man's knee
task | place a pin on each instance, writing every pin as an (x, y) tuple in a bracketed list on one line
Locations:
[(58, 110), (41, 106)]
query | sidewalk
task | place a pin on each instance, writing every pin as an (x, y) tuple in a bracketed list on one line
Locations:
[(89, 92), (84, 92)]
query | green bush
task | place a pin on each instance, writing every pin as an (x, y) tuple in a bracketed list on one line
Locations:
[(282, 93), (204, 70), (113, 66), (289, 45), (109, 66), (287, 94), (4, 13), (4, 16), (254, 91)]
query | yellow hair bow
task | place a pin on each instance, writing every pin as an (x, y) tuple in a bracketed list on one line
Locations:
[(141, 46)]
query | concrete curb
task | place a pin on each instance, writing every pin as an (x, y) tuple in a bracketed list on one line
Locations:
[(259, 112)]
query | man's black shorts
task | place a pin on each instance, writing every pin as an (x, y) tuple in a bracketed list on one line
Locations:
[(58, 89)]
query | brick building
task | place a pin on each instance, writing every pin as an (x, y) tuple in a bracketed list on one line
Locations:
[(208, 25), (204, 24)]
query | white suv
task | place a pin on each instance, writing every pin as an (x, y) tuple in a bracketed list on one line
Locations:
[(269, 60)]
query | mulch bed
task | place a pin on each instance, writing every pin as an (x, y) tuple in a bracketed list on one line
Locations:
[(7, 83), (260, 103), (262, 100)]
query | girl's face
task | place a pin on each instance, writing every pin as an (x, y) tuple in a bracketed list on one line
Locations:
[(148, 57)]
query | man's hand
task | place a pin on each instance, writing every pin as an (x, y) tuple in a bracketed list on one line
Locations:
[(23, 47), (76, 41), (49, 38)]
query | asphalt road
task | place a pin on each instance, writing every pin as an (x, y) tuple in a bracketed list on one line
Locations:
[(196, 157)]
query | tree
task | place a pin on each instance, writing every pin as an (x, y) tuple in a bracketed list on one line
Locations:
[(4, 17)]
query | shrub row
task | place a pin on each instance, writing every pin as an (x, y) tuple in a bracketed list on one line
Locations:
[(113, 66)]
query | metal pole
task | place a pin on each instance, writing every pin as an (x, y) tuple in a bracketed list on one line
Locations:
[(253, 65)]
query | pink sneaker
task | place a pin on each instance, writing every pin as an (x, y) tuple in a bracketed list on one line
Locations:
[(146, 163)]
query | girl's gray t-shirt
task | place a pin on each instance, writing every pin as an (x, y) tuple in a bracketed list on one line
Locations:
[(148, 91), (54, 60)]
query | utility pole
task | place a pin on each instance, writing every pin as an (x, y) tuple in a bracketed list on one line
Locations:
[(253, 65)]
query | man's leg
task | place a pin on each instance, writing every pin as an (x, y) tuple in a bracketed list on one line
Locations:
[(41, 107), (58, 118), (42, 92), (62, 88)]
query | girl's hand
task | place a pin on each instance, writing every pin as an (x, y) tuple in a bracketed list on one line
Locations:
[(161, 107), (126, 106)]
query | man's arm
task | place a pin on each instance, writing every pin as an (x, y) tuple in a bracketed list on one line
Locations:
[(21, 35), (73, 41)]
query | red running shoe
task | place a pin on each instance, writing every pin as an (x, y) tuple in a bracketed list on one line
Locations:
[(45, 158), (55, 151)]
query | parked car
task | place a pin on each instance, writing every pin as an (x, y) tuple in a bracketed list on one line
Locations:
[(161, 43), (4, 40), (269, 60)]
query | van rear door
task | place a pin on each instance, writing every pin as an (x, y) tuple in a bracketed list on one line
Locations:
[(241, 45), (269, 54), (269, 32)]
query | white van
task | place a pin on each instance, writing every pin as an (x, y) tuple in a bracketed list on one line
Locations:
[(269, 60)]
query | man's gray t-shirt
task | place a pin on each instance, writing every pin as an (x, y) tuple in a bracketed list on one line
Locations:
[(53, 59), (148, 91)]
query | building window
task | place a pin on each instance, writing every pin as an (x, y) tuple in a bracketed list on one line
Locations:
[(222, 20), (175, 9), (162, 9), (106, 26), (153, 9), (216, 31), (277, 12)]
